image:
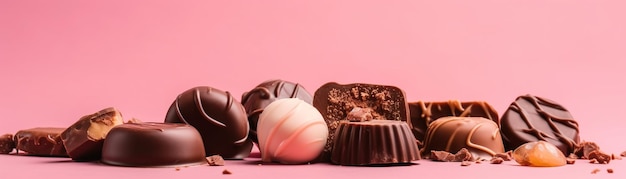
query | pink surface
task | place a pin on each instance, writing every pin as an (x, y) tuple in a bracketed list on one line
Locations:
[(63, 59)]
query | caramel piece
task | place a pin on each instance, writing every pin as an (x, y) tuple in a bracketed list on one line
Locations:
[(84, 139), (539, 154)]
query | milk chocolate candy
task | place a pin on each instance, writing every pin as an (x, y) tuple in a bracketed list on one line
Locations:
[(531, 118), (335, 101), (424, 113), (220, 119), (255, 100), (478, 135), (151, 144), (6, 144), (41, 141), (83, 140)]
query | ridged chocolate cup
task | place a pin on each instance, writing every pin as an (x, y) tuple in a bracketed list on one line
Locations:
[(153, 145), (374, 142)]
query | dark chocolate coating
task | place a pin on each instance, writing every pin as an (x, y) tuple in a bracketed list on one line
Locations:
[(424, 113), (335, 101), (531, 118), (220, 119), (41, 141), (267, 92), (374, 142), (153, 144)]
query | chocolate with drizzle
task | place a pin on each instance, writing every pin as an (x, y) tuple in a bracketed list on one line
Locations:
[(255, 100), (220, 119), (531, 118)]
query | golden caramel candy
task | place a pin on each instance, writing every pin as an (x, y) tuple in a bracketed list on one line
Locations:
[(539, 154)]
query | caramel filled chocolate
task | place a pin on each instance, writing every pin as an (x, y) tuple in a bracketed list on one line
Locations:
[(153, 144), (478, 135), (41, 141), (83, 139), (335, 101), (6, 144), (255, 100), (220, 119), (532, 118), (424, 113)]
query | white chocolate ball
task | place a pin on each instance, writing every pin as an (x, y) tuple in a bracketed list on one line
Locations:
[(291, 131)]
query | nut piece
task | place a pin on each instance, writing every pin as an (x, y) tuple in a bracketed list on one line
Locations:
[(83, 140), (215, 160), (539, 154), (6, 143)]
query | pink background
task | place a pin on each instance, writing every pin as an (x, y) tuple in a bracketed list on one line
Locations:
[(63, 59)]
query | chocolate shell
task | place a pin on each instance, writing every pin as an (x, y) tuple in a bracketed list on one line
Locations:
[(153, 144), (532, 118), (335, 101), (374, 142), (220, 119), (255, 100), (478, 135), (423, 113)]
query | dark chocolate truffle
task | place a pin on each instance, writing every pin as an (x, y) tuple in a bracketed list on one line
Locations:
[(255, 100), (220, 119), (335, 101), (374, 142), (41, 141), (153, 144), (424, 113), (480, 136), (531, 118)]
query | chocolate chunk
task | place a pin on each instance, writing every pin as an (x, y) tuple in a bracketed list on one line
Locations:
[(151, 144), (463, 155), (504, 156), (599, 156), (255, 100), (41, 141), (335, 101), (609, 170), (442, 156), (478, 135), (496, 160), (6, 143), (220, 119), (226, 172), (215, 160), (583, 149), (570, 161), (424, 113), (531, 118), (83, 139)]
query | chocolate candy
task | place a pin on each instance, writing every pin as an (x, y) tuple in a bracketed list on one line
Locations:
[(424, 113), (6, 144), (531, 118), (153, 144), (291, 131), (267, 92), (478, 135), (220, 119), (374, 142), (41, 141), (83, 139), (539, 154), (335, 101)]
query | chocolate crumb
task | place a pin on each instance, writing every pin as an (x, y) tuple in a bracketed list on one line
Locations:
[(594, 171), (6, 143), (463, 155), (177, 168), (442, 156), (600, 157), (497, 160), (570, 161), (226, 172), (610, 170), (215, 160), (465, 163), (504, 156), (583, 149)]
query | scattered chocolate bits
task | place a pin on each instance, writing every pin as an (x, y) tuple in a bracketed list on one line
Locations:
[(497, 160), (215, 160), (504, 156), (226, 172), (594, 171), (6, 143), (463, 155), (583, 149), (600, 157), (465, 163), (460, 156), (610, 170)]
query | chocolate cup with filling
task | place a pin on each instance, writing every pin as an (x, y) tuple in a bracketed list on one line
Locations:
[(220, 119), (375, 142), (255, 100), (424, 113), (335, 101), (41, 141), (532, 118), (153, 145), (478, 135), (83, 140)]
